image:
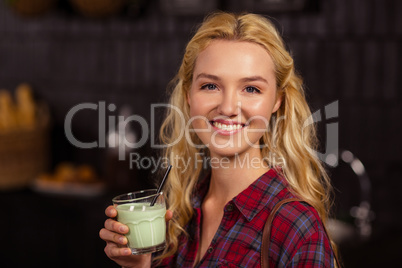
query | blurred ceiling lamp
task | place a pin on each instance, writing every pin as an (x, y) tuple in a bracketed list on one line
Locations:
[(188, 7)]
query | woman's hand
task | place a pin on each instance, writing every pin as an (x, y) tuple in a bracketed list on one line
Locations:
[(116, 243)]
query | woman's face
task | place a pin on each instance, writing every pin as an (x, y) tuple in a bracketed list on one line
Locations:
[(232, 97)]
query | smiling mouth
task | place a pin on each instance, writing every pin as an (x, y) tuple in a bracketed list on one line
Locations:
[(227, 126)]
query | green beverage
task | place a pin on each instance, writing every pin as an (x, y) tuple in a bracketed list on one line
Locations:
[(147, 225)]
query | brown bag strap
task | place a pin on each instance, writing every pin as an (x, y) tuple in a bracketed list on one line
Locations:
[(266, 234)]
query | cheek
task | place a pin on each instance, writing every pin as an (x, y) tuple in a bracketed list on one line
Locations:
[(194, 109), (260, 113), (200, 106), (259, 124), (198, 116)]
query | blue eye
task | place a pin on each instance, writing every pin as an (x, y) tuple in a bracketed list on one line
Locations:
[(252, 90), (208, 86)]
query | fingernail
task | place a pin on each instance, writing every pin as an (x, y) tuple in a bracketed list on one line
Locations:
[(127, 252), (123, 229), (122, 240)]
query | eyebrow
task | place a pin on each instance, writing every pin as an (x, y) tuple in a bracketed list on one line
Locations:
[(245, 79), (210, 76), (254, 78)]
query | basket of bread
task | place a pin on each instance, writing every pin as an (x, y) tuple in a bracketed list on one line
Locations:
[(24, 138), (31, 8), (70, 179)]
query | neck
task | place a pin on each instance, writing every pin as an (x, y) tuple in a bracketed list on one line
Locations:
[(231, 175)]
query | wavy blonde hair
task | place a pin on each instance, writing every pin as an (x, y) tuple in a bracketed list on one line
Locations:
[(288, 138)]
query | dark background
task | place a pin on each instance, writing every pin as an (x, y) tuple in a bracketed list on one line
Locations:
[(347, 50)]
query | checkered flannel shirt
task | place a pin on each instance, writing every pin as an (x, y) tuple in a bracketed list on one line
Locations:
[(297, 238)]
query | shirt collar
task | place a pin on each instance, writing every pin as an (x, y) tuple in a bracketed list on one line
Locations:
[(260, 193), (254, 198)]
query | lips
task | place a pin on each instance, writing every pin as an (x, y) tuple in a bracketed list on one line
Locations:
[(225, 126)]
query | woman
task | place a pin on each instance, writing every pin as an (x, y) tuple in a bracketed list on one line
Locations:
[(245, 111)]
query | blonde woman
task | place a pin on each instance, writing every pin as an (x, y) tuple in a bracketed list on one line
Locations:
[(244, 112)]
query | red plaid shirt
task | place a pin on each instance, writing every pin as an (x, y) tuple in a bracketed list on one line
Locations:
[(297, 235)]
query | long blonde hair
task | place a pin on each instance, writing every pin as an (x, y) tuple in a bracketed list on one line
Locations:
[(288, 139)]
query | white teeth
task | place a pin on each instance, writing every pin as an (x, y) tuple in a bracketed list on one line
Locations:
[(227, 127)]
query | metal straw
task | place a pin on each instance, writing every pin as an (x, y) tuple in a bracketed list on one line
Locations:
[(161, 185)]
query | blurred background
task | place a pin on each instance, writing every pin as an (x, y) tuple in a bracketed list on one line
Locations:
[(70, 68)]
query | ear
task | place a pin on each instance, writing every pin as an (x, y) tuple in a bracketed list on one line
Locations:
[(277, 103)]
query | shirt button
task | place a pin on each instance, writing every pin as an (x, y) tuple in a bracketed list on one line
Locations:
[(229, 208), (210, 249)]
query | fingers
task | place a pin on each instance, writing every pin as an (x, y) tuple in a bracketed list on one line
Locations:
[(113, 251), (168, 215), (111, 212), (114, 231), (109, 236), (116, 226)]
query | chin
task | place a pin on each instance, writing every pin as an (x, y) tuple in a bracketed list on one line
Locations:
[(228, 152)]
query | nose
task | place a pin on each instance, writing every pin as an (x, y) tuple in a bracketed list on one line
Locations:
[(229, 103)]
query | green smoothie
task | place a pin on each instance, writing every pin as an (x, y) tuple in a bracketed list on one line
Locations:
[(147, 224)]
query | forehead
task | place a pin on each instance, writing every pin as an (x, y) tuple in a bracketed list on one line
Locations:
[(239, 56)]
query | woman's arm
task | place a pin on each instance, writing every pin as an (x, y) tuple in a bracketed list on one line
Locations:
[(314, 252)]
